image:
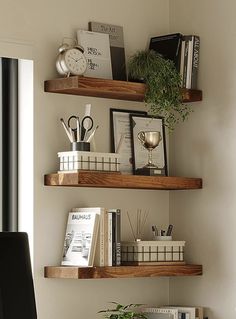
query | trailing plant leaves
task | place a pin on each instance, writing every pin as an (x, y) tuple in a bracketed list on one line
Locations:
[(163, 95)]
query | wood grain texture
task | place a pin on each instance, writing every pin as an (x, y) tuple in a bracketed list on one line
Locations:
[(112, 89), (191, 95), (107, 180), (122, 271), (104, 88)]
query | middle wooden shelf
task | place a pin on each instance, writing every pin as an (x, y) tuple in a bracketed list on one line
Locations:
[(116, 180)]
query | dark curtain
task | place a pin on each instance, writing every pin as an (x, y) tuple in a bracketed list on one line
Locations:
[(9, 81)]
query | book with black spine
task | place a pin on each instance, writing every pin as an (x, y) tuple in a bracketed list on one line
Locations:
[(116, 37), (195, 62), (116, 237), (182, 62), (169, 46)]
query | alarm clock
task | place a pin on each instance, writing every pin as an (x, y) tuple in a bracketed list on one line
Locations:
[(71, 60)]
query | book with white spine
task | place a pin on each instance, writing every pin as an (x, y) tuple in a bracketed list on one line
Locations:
[(102, 242)]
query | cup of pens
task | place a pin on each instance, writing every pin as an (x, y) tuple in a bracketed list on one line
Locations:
[(162, 234), (79, 132)]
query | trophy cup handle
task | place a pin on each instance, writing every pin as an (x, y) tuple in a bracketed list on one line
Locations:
[(141, 136)]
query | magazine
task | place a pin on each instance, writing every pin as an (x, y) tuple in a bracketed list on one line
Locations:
[(80, 239)]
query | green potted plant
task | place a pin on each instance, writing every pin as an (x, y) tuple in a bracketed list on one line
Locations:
[(124, 312), (163, 94)]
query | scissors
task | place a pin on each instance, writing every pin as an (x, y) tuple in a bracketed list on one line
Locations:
[(80, 129)]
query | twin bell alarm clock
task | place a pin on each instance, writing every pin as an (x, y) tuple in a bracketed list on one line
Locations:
[(71, 60)]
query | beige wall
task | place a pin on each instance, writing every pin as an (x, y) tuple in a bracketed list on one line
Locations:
[(205, 147), (201, 147), (41, 25)]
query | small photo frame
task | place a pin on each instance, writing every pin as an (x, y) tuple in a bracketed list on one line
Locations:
[(120, 134), (140, 154)]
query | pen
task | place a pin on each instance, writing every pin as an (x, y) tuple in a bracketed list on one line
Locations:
[(92, 134), (169, 230), (153, 231), (72, 134), (156, 230), (77, 129), (66, 130)]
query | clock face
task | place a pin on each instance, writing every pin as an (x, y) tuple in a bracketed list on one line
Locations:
[(75, 61)]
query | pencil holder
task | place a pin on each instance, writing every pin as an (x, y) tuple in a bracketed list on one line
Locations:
[(75, 161), (163, 238), (80, 146)]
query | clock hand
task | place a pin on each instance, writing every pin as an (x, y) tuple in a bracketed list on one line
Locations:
[(78, 59)]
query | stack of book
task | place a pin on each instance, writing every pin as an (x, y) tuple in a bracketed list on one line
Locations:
[(189, 61), (93, 237), (183, 51)]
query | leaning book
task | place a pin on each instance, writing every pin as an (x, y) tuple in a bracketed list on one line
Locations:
[(80, 239), (97, 52), (116, 38), (101, 253)]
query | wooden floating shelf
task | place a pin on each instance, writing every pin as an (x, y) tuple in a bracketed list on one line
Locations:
[(111, 89), (122, 271), (116, 180)]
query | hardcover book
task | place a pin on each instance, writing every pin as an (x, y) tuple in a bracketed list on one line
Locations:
[(116, 38), (80, 239), (169, 46), (189, 40), (97, 52), (190, 61), (109, 239), (195, 61), (101, 253), (115, 254)]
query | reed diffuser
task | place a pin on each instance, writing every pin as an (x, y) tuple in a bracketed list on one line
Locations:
[(137, 226)]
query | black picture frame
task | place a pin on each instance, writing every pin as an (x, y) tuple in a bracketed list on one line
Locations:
[(126, 164), (135, 143)]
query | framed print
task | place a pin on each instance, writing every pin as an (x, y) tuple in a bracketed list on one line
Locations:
[(148, 145), (120, 134)]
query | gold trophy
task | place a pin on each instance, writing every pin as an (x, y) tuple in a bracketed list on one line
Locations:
[(150, 140)]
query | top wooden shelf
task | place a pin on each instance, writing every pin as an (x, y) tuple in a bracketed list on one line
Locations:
[(111, 89)]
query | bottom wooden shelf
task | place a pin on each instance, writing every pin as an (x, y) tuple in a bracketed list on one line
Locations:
[(122, 271)]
